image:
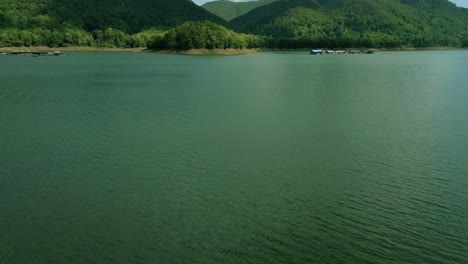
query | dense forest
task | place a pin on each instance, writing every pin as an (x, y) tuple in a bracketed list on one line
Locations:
[(230, 10), (66, 37), (130, 16), (205, 35), (359, 23), (172, 24), (103, 23)]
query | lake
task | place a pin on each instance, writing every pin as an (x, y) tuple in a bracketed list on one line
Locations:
[(263, 158)]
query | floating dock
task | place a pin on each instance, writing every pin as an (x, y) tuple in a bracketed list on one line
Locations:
[(338, 52)]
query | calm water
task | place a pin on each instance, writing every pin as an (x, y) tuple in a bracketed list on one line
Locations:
[(267, 158)]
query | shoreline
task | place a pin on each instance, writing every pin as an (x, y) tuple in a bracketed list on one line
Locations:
[(207, 52), (78, 48), (376, 49), (202, 52), (193, 52), (421, 49)]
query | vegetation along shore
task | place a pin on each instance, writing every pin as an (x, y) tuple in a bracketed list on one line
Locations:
[(228, 27)]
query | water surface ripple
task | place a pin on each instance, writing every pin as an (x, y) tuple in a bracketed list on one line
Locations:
[(266, 158)]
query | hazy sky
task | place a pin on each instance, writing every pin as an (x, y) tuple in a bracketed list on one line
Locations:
[(458, 2), (461, 2)]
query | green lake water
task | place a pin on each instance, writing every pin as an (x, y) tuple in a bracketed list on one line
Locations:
[(264, 158)]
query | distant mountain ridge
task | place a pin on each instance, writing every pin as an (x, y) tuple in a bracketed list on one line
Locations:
[(229, 10), (130, 16), (357, 22)]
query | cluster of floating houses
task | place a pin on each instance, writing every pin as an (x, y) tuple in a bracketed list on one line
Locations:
[(34, 53), (332, 52)]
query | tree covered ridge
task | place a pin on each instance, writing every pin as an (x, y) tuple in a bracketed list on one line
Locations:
[(229, 10), (129, 16), (279, 24), (377, 23), (102, 23)]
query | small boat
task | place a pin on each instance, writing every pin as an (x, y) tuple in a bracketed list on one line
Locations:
[(2, 53), (58, 53), (317, 52)]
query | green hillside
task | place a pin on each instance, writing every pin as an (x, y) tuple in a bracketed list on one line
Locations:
[(280, 24), (230, 10), (105, 23), (204, 35), (370, 23), (129, 16)]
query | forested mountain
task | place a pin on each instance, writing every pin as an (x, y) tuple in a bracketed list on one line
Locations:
[(373, 23), (129, 16), (104, 23), (277, 24), (230, 10)]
